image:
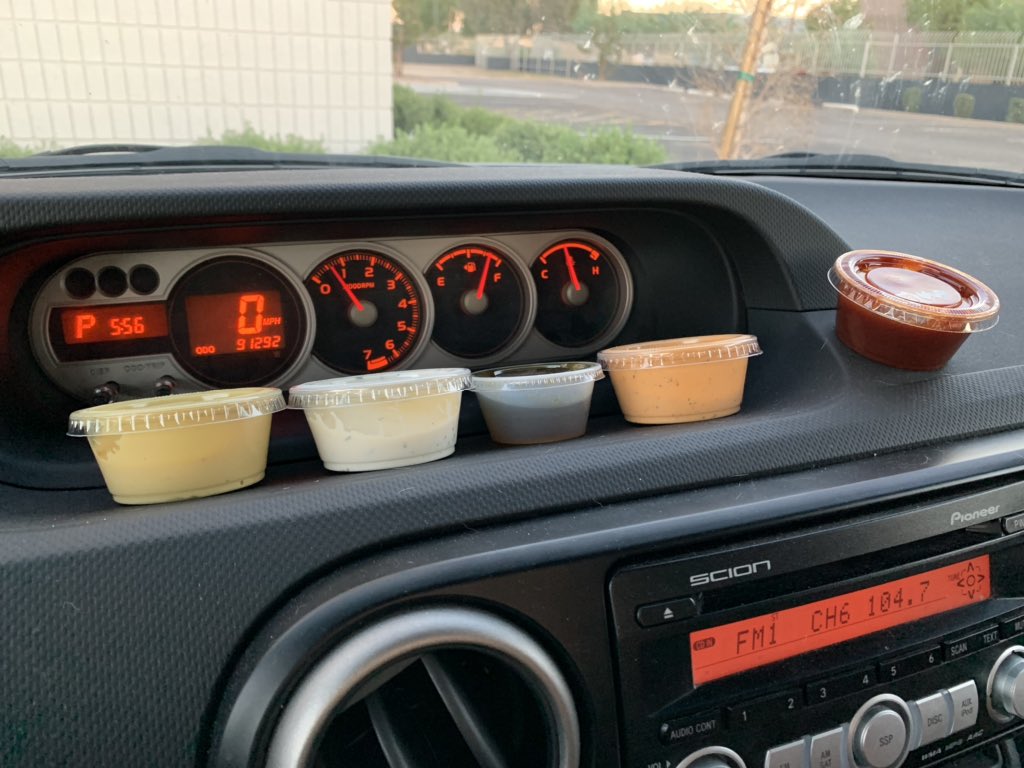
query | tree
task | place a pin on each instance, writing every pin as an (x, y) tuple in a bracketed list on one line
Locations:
[(832, 15), (995, 16), (412, 20), (604, 32), (937, 15)]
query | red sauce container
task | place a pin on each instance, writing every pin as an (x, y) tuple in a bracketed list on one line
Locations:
[(905, 311)]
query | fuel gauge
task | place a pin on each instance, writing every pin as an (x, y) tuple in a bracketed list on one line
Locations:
[(480, 301), (582, 293)]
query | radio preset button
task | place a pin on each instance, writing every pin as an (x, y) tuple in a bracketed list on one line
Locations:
[(792, 755), (1011, 627), (901, 666), (821, 691), (771, 709), (664, 613), (962, 646), (829, 749), (964, 698), (881, 738), (690, 728), (934, 717)]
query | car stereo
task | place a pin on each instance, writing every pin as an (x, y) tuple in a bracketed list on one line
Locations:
[(889, 638)]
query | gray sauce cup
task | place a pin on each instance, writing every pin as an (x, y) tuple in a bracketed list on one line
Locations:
[(542, 403)]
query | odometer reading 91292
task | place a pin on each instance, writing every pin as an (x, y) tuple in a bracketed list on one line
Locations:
[(750, 643), (236, 321)]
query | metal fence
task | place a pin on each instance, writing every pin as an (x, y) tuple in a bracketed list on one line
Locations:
[(980, 57)]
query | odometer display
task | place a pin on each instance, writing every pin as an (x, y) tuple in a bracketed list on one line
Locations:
[(236, 321), (732, 648), (229, 323), (369, 312)]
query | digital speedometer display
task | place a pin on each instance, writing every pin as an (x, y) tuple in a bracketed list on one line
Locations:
[(237, 321), (732, 648), (228, 323)]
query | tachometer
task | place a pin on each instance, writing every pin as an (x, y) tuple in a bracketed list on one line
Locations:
[(236, 321), (479, 299), (369, 311)]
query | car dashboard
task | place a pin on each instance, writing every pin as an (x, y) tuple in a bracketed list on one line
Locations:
[(539, 605)]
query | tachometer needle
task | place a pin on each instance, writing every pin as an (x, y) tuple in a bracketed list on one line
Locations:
[(483, 279), (572, 271), (355, 302)]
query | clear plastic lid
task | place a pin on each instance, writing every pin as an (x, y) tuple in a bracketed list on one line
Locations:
[(379, 387), (536, 376), (669, 353), (175, 411), (914, 291)]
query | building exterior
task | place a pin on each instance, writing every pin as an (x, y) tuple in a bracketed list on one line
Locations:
[(177, 71)]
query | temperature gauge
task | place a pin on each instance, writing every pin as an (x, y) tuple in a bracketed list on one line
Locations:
[(582, 293), (369, 312), (479, 300)]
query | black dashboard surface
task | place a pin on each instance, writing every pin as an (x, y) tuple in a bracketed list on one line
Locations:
[(123, 625)]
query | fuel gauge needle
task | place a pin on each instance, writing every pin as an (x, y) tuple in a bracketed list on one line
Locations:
[(483, 279), (572, 271), (355, 302)]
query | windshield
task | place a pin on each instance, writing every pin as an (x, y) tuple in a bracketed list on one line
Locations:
[(640, 82)]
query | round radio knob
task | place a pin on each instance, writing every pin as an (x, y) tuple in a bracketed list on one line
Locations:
[(713, 757), (1008, 686), (880, 738)]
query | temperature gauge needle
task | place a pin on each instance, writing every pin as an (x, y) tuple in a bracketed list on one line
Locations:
[(483, 279), (572, 271), (355, 302)]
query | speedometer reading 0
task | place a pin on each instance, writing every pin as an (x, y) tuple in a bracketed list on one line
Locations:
[(369, 312)]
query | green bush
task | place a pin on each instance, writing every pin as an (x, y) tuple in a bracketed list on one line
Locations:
[(963, 105), (11, 149), (911, 99), (435, 127), (445, 142), (249, 137), (1015, 113)]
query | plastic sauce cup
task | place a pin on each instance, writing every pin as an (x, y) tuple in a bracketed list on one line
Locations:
[(543, 403), (180, 446), (680, 380), (907, 312), (383, 420)]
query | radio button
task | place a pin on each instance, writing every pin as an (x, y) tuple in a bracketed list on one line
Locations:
[(664, 613), (792, 755), (690, 728), (902, 666), (828, 749), (964, 698), (1013, 523), (1011, 627), (962, 646), (881, 739), (934, 717), (827, 690), (761, 711)]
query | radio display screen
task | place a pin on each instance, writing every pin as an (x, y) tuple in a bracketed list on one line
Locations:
[(742, 645)]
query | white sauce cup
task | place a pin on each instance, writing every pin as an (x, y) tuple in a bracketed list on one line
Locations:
[(383, 420)]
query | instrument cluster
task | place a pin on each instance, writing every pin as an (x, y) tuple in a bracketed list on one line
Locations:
[(128, 324)]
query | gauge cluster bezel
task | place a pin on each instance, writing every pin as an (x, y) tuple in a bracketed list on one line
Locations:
[(295, 261)]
